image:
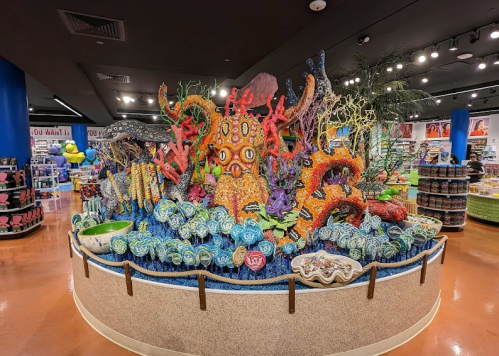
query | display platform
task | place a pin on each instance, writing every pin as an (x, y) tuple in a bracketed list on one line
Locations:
[(483, 208), (152, 318)]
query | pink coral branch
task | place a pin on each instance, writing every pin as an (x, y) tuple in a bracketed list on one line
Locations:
[(181, 152)]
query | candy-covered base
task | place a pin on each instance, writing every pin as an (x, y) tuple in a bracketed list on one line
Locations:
[(162, 319)]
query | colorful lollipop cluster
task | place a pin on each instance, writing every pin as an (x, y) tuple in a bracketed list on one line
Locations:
[(193, 223), (371, 241)]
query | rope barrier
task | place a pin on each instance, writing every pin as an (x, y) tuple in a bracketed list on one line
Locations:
[(342, 280)]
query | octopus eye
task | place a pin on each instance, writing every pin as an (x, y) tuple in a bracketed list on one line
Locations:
[(248, 154), (225, 156)]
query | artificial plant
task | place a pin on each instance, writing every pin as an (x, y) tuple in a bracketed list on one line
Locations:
[(279, 226)]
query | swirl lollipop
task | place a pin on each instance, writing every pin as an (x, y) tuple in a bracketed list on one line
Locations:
[(226, 224), (161, 252), (189, 257), (188, 209), (249, 236), (389, 250), (222, 258), (175, 221), (161, 211), (419, 240), (118, 245), (255, 260), (218, 214), (355, 254), (266, 247), (202, 230), (176, 258), (213, 227), (185, 231), (250, 222), (194, 223), (238, 256), (325, 233), (218, 241), (237, 232), (289, 248), (205, 257), (203, 214), (300, 244), (257, 230), (140, 248)]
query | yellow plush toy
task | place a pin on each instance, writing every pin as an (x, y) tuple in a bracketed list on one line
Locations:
[(72, 153)]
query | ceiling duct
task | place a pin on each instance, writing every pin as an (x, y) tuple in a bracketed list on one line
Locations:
[(117, 78), (94, 26)]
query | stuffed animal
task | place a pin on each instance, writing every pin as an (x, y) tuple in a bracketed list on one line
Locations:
[(56, 155), (90, 158), (72, 154)]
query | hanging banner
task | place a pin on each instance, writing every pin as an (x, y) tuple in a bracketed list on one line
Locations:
[(62, 133)]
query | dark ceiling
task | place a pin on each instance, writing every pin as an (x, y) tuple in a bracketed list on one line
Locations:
[(231, 42)]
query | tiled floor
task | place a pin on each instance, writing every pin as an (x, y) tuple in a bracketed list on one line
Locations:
[(38, 315)]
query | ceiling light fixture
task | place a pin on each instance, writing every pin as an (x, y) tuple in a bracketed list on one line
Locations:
[(363, 39), (410, 117), (400, 66), (150, 100), (170, 102), (496, 61), (223, 93), (434, 52), (57, 99), (227, 59), (127, 99), (357, 80), (465, 56), (494, 33), (30, 108), (422, 58), (425, 78), (100, 42), (470, 104), (317, 5), (475, 36), (482, 64), (389, 69), (454, 44), (346, 83), (352, 81), (213, 92), (124, 116), (439, 101), (275, 97), (154, 117), (389, 89), (474, 95), (118, 98)]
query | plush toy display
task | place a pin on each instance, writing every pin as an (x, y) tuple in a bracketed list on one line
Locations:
[(90, 158), (55, 155), (72, 154)]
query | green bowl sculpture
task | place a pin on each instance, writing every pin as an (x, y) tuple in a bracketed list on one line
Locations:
[(98, 238)]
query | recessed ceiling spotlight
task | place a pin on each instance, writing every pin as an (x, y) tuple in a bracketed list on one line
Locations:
[(410, 117), (422, 58), (363, 39), (100, 42), (317, 5), (150, 100), (400, 66), (416, 115), (117, 98), (227, 59), (485, 100), (352, 81), (30, 108), (389, 69), (132, 100), (495, 34), (482, 64), (389, 89), (154, 117), (465, 56), (127, 99), (170, 102), (470, 104), (213, 92), (124, 116), (475, 36), (275, 97), (424, 79), (357, 80), (453, 44), (347, 83), (474, 95), (434, 52), (439, 101), (223, 93), (496, 61)]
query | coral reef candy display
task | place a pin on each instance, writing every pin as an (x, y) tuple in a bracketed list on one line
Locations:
[(226, 193)]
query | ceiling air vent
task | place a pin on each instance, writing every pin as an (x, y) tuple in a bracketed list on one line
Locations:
[(118, 78), (453, 66), (95, 26)]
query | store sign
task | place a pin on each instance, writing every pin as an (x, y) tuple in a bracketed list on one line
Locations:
[(62, 133)]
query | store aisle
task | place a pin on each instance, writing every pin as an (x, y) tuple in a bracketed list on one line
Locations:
[(38, 315)]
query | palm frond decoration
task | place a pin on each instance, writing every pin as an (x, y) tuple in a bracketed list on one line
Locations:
[(386, 92)]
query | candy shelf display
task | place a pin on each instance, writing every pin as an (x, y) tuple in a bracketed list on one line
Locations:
[(45, 180), (18, 214), (483, 201), (443, 192), (190, 209)]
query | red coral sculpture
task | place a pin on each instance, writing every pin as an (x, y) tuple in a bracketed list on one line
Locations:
[(196, 193), (387, 210), (239, 105), (181, 152), (167, 170)]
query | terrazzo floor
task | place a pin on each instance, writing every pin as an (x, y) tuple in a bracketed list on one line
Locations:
[(38, 315)]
